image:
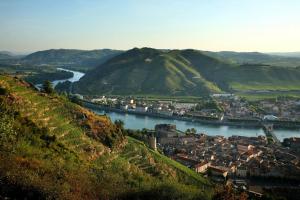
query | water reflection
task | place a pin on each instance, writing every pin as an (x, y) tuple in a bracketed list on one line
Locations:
[(139, 122)]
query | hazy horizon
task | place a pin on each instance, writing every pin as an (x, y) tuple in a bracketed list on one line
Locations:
[(29, 52), (218, 25)]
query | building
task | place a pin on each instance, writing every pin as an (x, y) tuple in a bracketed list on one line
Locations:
[(124, 107), (141, 109), (201, 167), (222, 95), (165, 130), (99, 100), (293, 142), (185, 160), (152, 142), (242, 148), (241, 172), (217, 171), (270, 117), (167, 112)]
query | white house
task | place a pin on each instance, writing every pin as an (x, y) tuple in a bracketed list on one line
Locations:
[(270, 117)]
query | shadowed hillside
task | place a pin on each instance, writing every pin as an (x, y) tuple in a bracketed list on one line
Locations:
[(146, 71), (183, 72), (52, 148)]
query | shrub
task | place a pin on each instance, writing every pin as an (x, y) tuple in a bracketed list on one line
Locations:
[(3, 91), (48, 87)]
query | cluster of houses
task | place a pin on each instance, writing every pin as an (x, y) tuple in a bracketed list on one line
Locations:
[(162, 107), (236, 157), (284, 109), (232, 107)]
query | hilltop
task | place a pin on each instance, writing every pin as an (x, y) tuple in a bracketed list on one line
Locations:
[(6, 55), (70, 57), (149, 71), (286, 60), (54, 149), (287, 54)]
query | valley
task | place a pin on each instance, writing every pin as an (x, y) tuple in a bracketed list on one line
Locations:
[(215, 88)]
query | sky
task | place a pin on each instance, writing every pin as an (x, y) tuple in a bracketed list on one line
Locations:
[(215, 25)]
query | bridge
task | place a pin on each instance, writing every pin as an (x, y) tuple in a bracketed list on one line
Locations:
[(269, 131)]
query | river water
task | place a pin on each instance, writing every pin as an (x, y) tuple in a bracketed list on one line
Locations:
[(76, 76), (133, 121)]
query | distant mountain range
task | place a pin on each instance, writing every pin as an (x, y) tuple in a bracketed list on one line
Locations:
[(5, 55), (279, 59), (70, 57), (287, 54), (93, 58), (169, 72), (186, 72)]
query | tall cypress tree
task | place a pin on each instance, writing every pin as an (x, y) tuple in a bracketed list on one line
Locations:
[(48, 87)]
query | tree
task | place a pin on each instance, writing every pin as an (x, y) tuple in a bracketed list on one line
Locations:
[(48, 87), (120, 124), (193, 131), (3, 91), (188, 131)]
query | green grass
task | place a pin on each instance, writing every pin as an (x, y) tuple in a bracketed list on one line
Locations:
[(130, 74), (182, 73), (163, 159), (273, 95), (259, 86), (67, 162)]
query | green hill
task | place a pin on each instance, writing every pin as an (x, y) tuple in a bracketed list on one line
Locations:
[(253, 77), (70, 57), (146, 71), (6, 55), (183, 73), (286, 60), (51, 148)]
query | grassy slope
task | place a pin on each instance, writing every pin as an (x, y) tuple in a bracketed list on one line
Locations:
[(183, 73), (256, 57), (54, 148), (244, 77), (264, 78), (130, 73)]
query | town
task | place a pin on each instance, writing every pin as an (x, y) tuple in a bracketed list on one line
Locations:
[(227, 109), (249, 163)]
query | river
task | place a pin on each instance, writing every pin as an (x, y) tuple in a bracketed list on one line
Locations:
[(133, 121), (76, 76)]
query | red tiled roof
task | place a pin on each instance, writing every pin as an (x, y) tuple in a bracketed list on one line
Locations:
[(217, 169)]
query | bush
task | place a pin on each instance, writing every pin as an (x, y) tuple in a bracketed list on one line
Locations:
[(48, 87), (3, 91)]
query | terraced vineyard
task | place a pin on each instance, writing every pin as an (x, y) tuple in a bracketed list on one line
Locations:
[(52, 148), (54, 114)]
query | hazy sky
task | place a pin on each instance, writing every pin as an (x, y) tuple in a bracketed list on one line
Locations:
[(240, 25)]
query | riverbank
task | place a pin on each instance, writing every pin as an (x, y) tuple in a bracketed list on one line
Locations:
[(254, 124), (240, 123), (139, 121)]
